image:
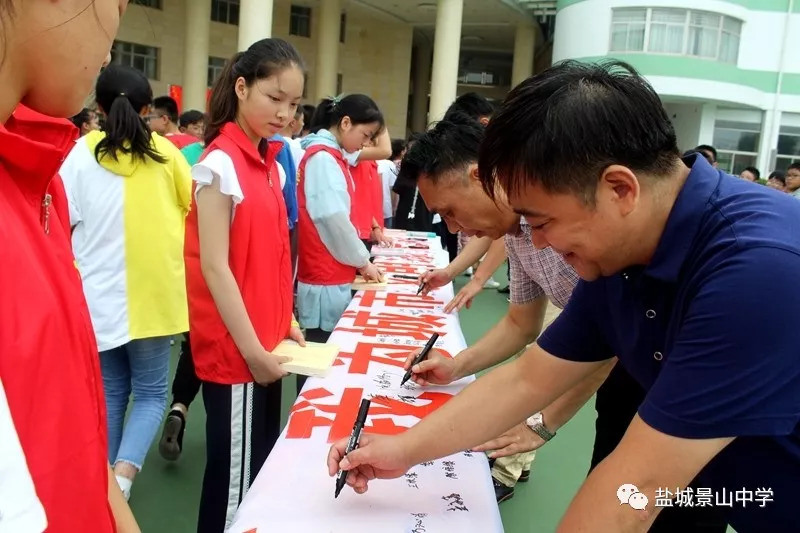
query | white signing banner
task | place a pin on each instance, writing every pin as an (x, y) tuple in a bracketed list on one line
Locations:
[(293, 491)]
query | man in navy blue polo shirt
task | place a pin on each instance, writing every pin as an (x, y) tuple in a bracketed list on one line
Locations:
[(675, 257)]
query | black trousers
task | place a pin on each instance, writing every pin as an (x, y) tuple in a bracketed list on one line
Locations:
[(449, 240), (617, 402), (312, 335), (185, 384), (232, 460)]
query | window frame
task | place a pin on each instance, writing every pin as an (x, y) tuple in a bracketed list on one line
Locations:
[(117, 54), (297, 12), (740, 126), (159, 4), (215, 65), (787, 157), (688, 27), (215, 7)]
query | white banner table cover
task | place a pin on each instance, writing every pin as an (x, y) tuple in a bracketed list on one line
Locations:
[(293, 491)]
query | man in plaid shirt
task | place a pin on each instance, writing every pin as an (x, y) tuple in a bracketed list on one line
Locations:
[(536, 277), (443, 163)]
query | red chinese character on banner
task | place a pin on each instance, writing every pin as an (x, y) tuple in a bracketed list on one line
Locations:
[(390, 324), (397, 299), (387, 354), (400, 269), (311, 412), (417, 260)]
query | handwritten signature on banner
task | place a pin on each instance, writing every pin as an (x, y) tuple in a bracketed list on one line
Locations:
[(311, 411), (366, 353)]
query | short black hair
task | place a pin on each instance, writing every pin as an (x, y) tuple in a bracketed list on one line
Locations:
[(398, 145), (84, 116), (449, 145), (191, 117), (707, 148), (794, 166), (777, 175), (562, 127), (168, 106), (472, 104), (754, 171)]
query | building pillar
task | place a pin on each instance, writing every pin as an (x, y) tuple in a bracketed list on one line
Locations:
[(446, 49), (768, 143), (524, 52), (195, 54), (422, 81), (255, 21), (708, 119), (327, 64)]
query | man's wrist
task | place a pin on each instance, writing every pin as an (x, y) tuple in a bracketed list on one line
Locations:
[(550, 421), (448, 270), (481, 276), (539, 425), (413, 452), (461, 364)]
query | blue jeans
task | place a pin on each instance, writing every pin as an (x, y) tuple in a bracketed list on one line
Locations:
[(140, 366)]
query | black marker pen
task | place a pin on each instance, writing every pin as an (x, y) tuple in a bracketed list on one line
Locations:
[(355, 437)]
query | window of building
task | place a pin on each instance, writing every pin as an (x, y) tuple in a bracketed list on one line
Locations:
[(300, 21), (342, 27), (155, 4), (676, 31), (225, 11), (215, 66), (788, 147), (628, 29), (736, 144), (142, 58)]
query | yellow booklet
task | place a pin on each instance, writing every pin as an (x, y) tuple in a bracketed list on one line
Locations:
[(313, 360), (360, 284)]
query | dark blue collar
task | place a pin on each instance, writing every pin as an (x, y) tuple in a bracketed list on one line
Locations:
[(684, 219)]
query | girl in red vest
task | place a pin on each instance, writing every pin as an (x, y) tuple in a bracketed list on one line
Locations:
[(330, 250), (53, 454), (368, 207), (239, 273)]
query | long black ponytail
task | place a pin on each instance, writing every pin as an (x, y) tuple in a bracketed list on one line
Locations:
[(122, 92), (263, 59)]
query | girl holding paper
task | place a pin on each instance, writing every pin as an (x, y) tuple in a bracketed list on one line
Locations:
[(239, 273), (331, 250)]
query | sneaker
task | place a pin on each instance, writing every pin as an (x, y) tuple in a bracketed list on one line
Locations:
[(501, 492), (505, 290), (468, 272), (171, 443), (491, 284), (524, 476)]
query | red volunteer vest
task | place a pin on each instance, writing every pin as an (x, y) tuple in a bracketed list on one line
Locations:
[(181, 140), (377, 194), (259, 259), (316, 265), (48, 355), (369, 197)]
